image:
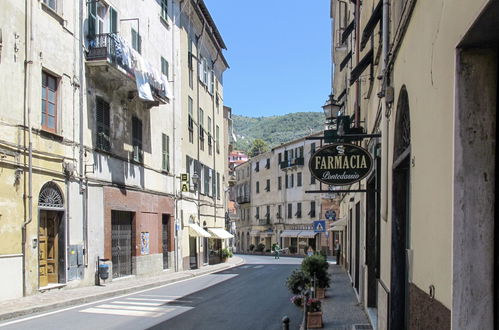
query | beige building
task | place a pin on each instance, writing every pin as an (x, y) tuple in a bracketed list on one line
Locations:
[(420, 242), (201, 210), (272, 201)]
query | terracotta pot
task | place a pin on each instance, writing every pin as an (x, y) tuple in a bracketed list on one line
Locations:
[(314, 320), (320, 293)]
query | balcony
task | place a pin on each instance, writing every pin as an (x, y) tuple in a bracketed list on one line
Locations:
[(264, 222), (300, 161), (242, 199), (114, 64)]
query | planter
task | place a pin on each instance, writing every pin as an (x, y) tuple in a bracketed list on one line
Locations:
[(320, 293), (314, 320)]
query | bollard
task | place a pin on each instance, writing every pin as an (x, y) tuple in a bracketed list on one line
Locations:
[(285, 323)]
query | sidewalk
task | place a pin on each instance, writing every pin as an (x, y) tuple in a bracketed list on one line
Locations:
[(59, 298), (340, 308)]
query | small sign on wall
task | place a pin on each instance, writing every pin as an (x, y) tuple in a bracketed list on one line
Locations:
[(144, 243)]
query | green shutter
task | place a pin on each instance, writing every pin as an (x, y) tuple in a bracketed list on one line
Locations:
[(92, 18), (113, 20)]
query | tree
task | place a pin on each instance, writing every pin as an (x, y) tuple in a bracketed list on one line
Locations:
[(258, 147)]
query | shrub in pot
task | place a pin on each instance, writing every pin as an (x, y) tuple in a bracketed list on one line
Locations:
[(317, 265), (298, 281), (260, 247), (226, 253), (252, 247)]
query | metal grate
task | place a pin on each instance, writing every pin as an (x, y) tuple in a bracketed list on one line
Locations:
[(121, 243), (51, 196)]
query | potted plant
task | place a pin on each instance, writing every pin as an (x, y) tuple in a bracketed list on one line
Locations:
[(260, 247), (314, 314), (225, 254), (316, 267), (251, 247), (298, 282), (297, 300)]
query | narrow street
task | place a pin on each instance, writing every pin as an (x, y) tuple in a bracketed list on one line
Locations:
[(251, 296)]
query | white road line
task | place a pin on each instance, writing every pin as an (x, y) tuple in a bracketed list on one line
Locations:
[(138, 308), (159, 296), (259, 266), (121, 312), (136, 303), (151, 299), (244, 267)]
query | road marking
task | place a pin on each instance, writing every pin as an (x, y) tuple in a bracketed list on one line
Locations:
[(138, 308), (136, 303), (159, 296), (259, 266), (244, 267), (151, 299), (121, 312)]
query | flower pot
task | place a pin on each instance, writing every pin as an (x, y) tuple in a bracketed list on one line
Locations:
[(314, 320), (320, 293)]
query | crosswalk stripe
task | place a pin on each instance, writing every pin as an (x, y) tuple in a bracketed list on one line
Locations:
[(138, 303), (259, 266), (121, 312), (151, 299), (138, 308)]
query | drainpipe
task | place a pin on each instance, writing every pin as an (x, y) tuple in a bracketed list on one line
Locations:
[(27, 117), (83, 184), (385, 115), (357, 56)]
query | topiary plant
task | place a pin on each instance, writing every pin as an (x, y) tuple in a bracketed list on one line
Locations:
[(317, 265)]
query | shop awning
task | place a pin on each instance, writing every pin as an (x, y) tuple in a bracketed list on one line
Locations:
[(220, 233), (266, 233), (290, 233), (195, 230), (338, 225), (307, 233), (254, 232)]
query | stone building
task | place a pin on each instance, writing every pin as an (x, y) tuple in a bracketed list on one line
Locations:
[(421, 242)]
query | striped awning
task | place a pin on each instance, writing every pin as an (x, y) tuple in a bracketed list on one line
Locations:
[(195, 230), (338, 225), (307, 233), (290, 233), (220, 233)]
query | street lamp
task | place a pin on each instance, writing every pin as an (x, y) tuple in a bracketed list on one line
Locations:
[(332, 111), (195, 180)]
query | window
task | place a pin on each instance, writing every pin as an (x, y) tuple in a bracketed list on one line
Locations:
[(103, 124), (257, 212), (279, 157), (312, 209), (279, 183), (203, 70), (136, 41), (52, 4), (189, 61), (207, 179), (212, 81), (279, 211), (257, 166), (298, 179), (201, 128), (286, 181), (137, 139), (165, 67), (218, 139), (213, 178), (190, 121), (298, 210), (257, 187), (290, 210), (312, 148), (267, 188), (299, 153), (49, 102), (113, 20), (165, 148), (218, 185), (267, 165), (210, 144), (164, 9), (292, 180), (268, 213)]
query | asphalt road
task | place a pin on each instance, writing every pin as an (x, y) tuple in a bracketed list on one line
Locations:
[(251, 296)]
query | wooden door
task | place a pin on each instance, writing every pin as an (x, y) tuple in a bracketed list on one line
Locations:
[(49, 248)]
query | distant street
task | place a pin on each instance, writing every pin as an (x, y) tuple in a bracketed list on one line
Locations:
[(251, 296)]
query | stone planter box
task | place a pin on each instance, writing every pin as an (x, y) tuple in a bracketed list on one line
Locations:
[(314, 320), (320, 293)]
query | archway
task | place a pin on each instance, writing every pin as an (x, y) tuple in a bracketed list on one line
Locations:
[(400, 214), (51, 236)]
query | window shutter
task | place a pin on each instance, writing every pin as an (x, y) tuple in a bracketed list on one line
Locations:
[(92, 18), (113, 20), (103, 124)]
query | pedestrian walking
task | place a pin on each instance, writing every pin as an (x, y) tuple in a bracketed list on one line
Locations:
[(337, 251), (277, 249)]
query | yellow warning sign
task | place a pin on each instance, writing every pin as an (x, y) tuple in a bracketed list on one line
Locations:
[(185, 187)]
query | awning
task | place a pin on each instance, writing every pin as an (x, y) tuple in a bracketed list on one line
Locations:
[(266, 233), (307, 234), (339, 225), (254, 232), (220, 233), (290, 233), (195, 230)]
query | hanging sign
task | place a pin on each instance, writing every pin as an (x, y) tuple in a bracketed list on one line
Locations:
[(340, 164)]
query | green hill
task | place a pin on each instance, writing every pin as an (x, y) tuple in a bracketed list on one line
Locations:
[(276, 130)]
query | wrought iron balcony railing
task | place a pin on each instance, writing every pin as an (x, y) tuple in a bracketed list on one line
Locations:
[(292, 162)]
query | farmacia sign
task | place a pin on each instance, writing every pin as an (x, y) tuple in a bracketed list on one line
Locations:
[(340, 164)]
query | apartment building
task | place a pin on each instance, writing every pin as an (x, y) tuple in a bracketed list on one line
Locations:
[(202, 210), (93, 133), (276, 207), (420, 237)]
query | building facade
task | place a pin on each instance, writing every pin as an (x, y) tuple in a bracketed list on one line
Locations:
[(93, 136), (420, 241)]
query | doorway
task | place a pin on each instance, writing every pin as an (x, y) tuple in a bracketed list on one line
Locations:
[(400, 216), (165, 240), (121, 243), (193, 257), (51, 236)]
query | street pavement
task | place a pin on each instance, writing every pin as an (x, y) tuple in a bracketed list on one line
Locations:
[(248, 292)]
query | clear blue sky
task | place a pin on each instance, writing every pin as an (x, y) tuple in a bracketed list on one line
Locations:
[(278, 52)]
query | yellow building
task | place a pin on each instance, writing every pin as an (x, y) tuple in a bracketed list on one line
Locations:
[(420, 242)]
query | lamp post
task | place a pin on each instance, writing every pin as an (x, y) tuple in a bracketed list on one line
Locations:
[(332, 111)]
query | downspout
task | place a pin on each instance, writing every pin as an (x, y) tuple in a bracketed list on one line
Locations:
[(214, 145), (83, 186), (27, 113), (357, 57), (385, 114)]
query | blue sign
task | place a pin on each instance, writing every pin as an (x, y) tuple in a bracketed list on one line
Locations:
[(320, 226)]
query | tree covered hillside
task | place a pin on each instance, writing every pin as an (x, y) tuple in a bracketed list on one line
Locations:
[(276, 130)]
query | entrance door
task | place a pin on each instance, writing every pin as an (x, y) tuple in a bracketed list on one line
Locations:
[(49, 248), (193, 257), (165, 241), (121, 233)]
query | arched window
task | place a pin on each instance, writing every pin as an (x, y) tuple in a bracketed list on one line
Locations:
[(51, 196)]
